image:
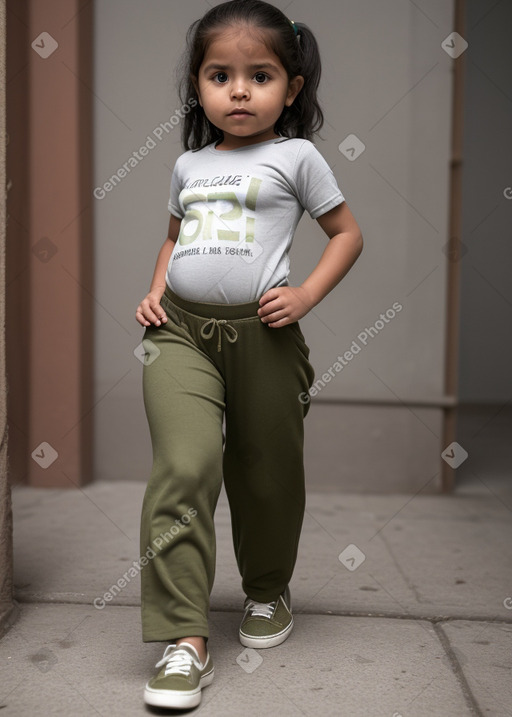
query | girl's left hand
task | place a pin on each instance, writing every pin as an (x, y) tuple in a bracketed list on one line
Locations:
[(284, 304)]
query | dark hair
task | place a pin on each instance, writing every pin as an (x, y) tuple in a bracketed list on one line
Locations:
[(299, 55)]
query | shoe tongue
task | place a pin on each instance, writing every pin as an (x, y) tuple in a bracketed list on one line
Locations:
[(191, 647)]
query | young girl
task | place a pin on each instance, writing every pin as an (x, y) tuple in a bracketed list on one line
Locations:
[(222, 336)]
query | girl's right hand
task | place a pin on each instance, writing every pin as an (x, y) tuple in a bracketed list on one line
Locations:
[(149, 311)]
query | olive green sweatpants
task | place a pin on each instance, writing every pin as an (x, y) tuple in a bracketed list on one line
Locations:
[(207, 362)]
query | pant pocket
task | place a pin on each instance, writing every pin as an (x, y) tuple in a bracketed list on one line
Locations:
[(303, 347), (295, 328)]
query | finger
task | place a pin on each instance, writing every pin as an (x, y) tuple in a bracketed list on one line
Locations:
[(273, 316), (141, 318), (159, 314), (155, 318)]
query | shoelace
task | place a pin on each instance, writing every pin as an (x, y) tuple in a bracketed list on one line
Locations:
[(264, 609), (179, 661)]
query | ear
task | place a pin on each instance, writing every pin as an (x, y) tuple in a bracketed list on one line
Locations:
[(196, 87), (294, 87)]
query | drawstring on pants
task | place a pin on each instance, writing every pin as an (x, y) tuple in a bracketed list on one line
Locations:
[(221, 324)]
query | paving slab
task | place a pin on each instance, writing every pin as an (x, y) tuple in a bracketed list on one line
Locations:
[(62, 659), (484, 652), (432, 556)]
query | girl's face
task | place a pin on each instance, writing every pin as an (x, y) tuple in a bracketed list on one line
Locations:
[(239, 72)]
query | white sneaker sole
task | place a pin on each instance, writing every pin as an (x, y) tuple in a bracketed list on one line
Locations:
[(260, 643), (177, 698)]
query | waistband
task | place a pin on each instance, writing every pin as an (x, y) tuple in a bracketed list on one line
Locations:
[(214, 311)]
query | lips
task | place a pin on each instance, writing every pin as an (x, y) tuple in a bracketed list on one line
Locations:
[(240, 111)]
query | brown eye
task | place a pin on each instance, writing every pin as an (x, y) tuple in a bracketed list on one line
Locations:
[(221, 75), (260, 76)]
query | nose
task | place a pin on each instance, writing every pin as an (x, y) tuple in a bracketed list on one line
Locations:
[(239, 89)]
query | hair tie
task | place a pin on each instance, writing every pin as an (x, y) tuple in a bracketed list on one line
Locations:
[(295, 29)]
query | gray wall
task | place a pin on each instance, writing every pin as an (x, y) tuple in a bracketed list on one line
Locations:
[(486, 289), (387, 80)]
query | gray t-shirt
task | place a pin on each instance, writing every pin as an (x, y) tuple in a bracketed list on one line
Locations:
[(239, 211)]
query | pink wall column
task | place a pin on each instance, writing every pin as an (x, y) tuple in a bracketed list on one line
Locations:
[(50, 290)]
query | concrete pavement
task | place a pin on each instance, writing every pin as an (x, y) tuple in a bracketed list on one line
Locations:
[(402, 605)]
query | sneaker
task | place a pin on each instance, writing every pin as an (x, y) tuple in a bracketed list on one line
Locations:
[(179, 682), (266, 624)]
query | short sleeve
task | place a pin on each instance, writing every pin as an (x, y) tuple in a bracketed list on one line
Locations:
[(174, 196), (317, 188)]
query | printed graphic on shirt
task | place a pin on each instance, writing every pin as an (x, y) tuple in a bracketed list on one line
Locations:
[(219, 213)]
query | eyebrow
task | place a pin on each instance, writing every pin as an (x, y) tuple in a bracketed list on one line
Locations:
[(259, 66)]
